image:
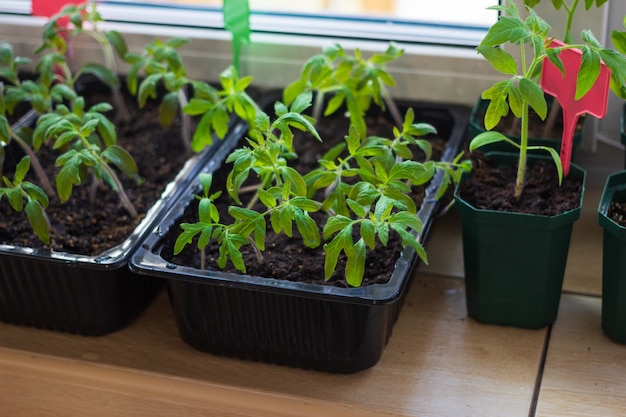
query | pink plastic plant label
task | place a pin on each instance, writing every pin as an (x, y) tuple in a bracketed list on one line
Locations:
[(49, 8), (563, 88)]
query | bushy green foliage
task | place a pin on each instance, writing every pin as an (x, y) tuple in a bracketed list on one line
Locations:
[(522, 90), (365, 183)]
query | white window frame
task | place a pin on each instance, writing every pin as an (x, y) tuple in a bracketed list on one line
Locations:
[(430, 72)]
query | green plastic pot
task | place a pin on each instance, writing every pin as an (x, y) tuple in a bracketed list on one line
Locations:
[(477, 126), (613, 260), (623, 129), (515, 262)]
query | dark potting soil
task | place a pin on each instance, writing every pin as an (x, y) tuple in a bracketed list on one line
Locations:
[(86, 227), (617, 212), (289, 259), (492, 187)]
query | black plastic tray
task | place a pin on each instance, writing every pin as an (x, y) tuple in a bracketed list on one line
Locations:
[(298, 324), (86, 295)]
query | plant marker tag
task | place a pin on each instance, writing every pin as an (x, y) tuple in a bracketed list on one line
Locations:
[(564, 90), (48, 8)]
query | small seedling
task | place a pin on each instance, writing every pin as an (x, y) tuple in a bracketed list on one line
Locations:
[(215, 107), (349, 79), (85, 19), (28, 197), (88, 140), (162, 65), (521, 91), (364, 182)]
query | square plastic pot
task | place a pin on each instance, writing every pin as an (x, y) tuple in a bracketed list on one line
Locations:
[(613, 260), (290, 323), (514, 263)]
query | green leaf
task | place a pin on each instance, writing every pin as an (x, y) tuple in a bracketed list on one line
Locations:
[(533, 94), (341, 242), (486, 138), (368, 233), (88, 127), (35, 193), (308, 229), (499, 59), (497, 107), (16, 199), (69, 175), (103, 73), (588, 73), (186, 237), (285, 219), (619, 41), (266, 198), (147, 88), (410, 240), (205, 180), (355, 265), (334, 224), (168, 109), (21, 169), (616, 63), (298, 186), (38, 221), (122, 159), (305, 204), (198, 106), (335, 102), (506, 29), (243, 214), (118, 42), (302, 102)]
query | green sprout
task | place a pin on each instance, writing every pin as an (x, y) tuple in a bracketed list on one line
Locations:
[(162, 63), (19, 192), (216, 106), (570, 9), (351, 79), (88, 140), (364, 183), (522, 91), (85, 19)]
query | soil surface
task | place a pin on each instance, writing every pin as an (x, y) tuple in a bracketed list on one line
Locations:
[(286, 258), (617, 212), (492, 187), (83, 226)]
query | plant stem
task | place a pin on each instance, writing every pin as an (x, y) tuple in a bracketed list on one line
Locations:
[(45, 183), (257, 252), (185, 128), (109, 58), (317, 105), (570, 17), (521, 166), (128, 205), (255, 198), (393, 109)]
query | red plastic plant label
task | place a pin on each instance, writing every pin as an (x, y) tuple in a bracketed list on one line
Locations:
[(49, 8), (563, 88)]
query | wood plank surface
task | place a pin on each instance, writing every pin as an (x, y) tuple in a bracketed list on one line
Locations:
[(585, 372), (437, 363)]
